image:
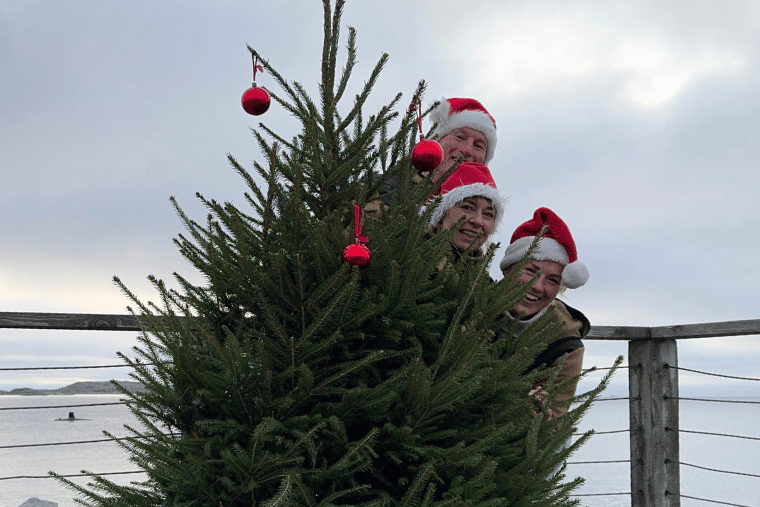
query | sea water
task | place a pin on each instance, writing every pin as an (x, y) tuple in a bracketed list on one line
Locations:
[(607, 484), (727, 456), (40, 426)]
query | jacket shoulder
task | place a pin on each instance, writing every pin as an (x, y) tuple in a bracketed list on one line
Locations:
[(574, 322)]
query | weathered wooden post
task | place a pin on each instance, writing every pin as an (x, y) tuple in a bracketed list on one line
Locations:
[(653, 388)]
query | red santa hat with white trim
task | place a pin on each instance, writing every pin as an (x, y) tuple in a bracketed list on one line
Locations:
[(556, 244), (469, 179), (455, 113)]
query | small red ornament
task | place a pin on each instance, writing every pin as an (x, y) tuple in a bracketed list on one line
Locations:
[(256, 100), (426, 155), (357, 253)]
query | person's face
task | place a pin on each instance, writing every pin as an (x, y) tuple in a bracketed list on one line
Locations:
[(464, 142), (544, 289), (479, 221)]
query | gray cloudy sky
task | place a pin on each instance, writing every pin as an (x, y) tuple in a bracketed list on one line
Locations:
[(637, 122)]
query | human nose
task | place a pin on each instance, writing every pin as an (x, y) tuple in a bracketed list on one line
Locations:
[(468, 150), (538, 285), (476, 218)]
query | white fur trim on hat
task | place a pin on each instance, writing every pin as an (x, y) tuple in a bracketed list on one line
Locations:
[(574, 275)]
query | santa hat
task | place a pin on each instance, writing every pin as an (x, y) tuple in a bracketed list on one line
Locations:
[(556, 244), (456, 113), (469, 179)]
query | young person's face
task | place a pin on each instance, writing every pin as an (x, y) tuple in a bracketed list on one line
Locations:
[(544, 289), (464, 142), (479, 221)]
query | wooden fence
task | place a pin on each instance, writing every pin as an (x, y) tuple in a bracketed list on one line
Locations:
[(653, 402), (652, 385)]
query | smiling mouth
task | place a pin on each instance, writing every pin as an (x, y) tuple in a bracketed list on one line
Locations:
[(469, 234), (531, 298)]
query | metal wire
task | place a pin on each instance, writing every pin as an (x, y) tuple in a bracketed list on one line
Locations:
[(711, 501), (718, 434), (716, 470), (65, 367), (713, 401), (603, 494), (604, 432), (19, 446), (598, 462), (713, 374), (68, 476)]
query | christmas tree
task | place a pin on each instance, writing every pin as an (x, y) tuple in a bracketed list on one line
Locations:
[(291, 377)]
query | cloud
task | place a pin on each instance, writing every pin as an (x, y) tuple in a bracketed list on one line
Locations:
[(656, 50), (637, 123)]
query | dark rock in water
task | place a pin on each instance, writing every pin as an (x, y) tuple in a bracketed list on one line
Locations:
[(36, 502), (71, 418)]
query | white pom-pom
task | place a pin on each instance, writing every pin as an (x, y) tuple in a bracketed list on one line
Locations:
[(575, 275)]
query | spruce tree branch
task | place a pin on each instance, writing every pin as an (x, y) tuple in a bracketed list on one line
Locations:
[(362, 97), (351, 367), (284, 494), (327, 81), (356, 454), (269, 316), (399, 145), (415, 490), (349, 66), (342, 301), (298, 111), (288, 145)]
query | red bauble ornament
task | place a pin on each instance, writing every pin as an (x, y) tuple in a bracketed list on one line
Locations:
[(357, 254), (256, 100), (426, 155)]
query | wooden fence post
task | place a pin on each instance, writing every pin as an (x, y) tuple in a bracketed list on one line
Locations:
[(653, 405)]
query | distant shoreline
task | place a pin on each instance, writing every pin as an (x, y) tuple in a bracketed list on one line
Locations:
[(102, 387)]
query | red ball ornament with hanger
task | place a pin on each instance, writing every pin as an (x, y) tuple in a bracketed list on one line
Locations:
[(357, 253), (426, 154), (256, 100)]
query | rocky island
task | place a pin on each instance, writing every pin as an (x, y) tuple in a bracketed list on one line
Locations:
[(102, 387)]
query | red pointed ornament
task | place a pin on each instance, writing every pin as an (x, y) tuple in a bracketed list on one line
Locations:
[(256, 100), (426, 154), (357, 253)]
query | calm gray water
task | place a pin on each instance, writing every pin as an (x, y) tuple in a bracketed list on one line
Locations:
[(715, 452), (39, 426), (730, 454)]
